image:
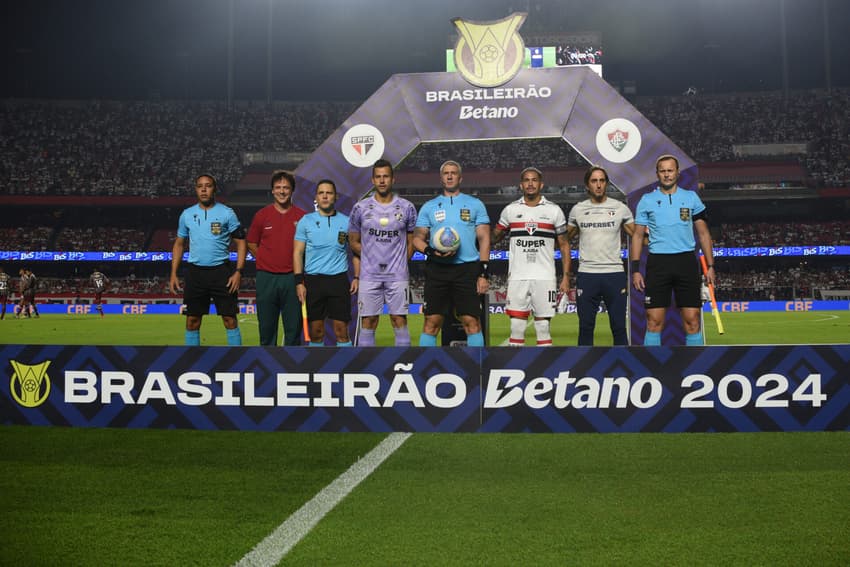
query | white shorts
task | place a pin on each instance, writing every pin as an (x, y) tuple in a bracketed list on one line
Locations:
[(531, 296)]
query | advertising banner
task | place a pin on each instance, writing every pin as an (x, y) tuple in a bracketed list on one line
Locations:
[(565, 390)]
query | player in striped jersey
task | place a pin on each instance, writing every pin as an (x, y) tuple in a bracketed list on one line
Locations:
[(535, 226)]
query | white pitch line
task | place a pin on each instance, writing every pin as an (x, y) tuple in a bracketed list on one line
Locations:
[(277, 544), (828, 318)]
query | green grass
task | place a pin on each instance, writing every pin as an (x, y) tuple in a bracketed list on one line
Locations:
[(152, 497), (812, 327)]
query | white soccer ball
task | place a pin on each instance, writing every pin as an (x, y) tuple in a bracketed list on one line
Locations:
[(446, 239)]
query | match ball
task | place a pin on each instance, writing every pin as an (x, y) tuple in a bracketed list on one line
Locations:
[(446, 239)]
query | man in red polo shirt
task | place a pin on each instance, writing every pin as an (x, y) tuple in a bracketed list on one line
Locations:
[(270, 241)]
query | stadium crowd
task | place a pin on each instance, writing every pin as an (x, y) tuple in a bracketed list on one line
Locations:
[(154, 148), (129, 239), (146, 148)]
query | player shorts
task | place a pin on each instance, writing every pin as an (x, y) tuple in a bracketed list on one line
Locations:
[(205, 284), (527, 296), (452, 285), (676, 273), (373, 295), (328, 297)]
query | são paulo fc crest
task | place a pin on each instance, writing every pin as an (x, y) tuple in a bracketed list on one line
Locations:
[(362, 145), (531, 227)]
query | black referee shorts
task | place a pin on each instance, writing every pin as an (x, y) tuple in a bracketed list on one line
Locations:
[(206, 284), (676, 273), (328, 297), (452, 284)]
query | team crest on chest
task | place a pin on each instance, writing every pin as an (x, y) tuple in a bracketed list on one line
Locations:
[(531, 227)]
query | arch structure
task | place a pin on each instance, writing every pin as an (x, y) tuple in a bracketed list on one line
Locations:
[(570, 103)]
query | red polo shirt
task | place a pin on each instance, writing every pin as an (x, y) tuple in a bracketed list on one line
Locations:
[(274, 232)]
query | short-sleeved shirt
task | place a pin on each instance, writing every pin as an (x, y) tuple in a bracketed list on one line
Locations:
[(600, 226), (670, 219), (208, 231), (4, 283), (273, 232), (98, 280), (533, 233), (462, 212), (383, 232), (326, 240), (28, 283)]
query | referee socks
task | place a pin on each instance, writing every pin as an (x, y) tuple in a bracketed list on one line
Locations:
[(234, 337), (652, 339), (193, 338)]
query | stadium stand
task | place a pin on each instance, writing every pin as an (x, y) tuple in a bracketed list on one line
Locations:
[(776, 172)]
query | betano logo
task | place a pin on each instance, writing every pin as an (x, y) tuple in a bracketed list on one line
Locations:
[(489, 54), (30, 384)]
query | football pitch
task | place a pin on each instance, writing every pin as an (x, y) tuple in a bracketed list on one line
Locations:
[(78, 496), (753, 328), (177, 497)]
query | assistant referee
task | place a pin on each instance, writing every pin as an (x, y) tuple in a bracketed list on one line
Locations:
[(671, 214)]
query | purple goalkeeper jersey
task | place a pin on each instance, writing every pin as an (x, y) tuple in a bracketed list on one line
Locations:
[(383, 233)]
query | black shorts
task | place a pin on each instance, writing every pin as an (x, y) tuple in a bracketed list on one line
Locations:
[(452, 285), (328, 297), (677, 273), (205, 284)]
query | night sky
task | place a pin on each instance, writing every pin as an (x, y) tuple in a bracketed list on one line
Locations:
[(345, 49)]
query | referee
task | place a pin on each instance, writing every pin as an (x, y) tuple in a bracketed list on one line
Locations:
[(671, 214), (320, 262), (209, 227)]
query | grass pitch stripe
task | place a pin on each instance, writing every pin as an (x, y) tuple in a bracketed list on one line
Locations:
[(272, 549)]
